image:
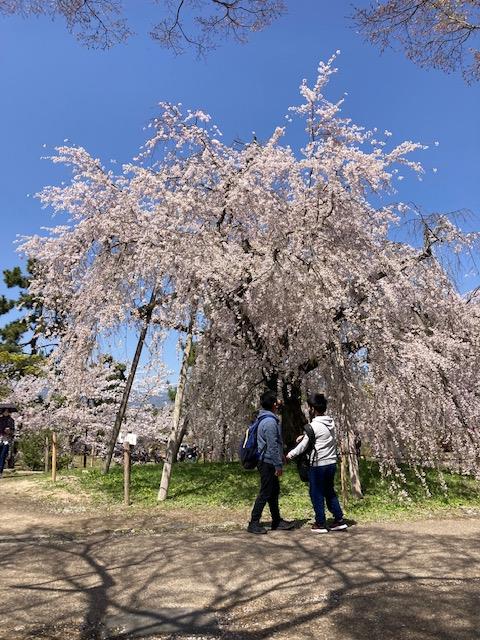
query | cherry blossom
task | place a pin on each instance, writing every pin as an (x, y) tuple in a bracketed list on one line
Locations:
[(284, 264)]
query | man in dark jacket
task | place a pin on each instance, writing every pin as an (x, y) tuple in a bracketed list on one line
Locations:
[(270, 466)]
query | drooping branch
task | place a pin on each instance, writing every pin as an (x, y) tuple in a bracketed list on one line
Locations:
[(214, 20), (433, 33), (200, 25)]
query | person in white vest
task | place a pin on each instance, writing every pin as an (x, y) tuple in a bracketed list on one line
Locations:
[(323, 465)]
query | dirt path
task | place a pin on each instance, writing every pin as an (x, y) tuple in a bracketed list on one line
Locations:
[(78, 576)]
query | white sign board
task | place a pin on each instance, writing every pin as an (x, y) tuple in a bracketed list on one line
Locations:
[(131, 438)]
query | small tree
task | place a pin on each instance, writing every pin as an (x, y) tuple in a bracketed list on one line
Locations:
[(21, 334)]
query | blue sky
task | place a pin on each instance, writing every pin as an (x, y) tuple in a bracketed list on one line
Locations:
[(53, 89)]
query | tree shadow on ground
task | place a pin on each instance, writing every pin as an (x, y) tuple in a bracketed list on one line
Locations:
[(367, 584)]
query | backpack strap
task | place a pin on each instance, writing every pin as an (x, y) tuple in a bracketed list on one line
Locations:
[(264, 450), (311, 440)]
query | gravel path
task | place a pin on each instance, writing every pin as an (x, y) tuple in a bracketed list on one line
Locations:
[(91, 576)]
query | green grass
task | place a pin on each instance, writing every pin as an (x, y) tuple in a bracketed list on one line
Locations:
[(227, 485)]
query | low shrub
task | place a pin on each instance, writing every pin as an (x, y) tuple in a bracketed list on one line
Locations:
[(32, 448)]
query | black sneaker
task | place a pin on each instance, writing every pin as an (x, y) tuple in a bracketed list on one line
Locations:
[(318, 528), (283, 525), (338, 525), (255, 527)]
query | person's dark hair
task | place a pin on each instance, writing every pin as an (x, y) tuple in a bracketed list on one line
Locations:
[(318, 401), (268, 399)]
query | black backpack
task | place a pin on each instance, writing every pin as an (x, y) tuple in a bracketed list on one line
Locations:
[(303, 460)]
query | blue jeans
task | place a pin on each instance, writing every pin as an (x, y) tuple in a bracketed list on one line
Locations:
[(320, 480), (4, 448)]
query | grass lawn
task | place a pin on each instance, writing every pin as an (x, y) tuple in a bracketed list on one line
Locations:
[(227, 485)]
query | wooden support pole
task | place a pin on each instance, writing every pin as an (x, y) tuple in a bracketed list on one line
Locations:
[(92, 457), (54, 456), (174, 439), (353, 466), (46, 453), (344, 474), (126, 472), (129, 382)]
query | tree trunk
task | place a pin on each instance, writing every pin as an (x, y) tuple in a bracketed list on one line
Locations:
[(223, 452), (293, 418), (180, 438), (54, 456), (128, 387), (344, 403), (353, 467), (271, 381), (85, 449), (175, 432)]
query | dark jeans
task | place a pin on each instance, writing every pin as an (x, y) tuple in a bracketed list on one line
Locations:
[(322, 490), (269, 492), (4, 448)]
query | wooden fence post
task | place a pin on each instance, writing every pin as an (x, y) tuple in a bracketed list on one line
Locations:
[(126, 472), (54, 456)]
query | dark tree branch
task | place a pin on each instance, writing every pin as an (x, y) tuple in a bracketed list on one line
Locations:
[(201, 25), (432, 33)]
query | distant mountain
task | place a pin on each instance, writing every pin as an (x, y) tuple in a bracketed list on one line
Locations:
[(159, 400)]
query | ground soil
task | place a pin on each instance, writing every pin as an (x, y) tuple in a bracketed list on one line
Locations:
[(74, 571)]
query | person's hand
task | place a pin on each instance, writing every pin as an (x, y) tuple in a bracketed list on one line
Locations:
[(278, 472), (299, 439)]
